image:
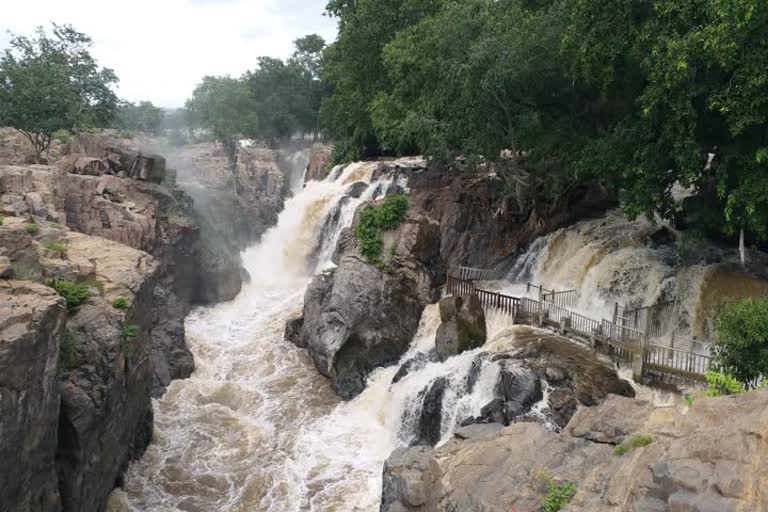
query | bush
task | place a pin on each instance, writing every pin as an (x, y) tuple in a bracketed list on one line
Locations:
[(120, 303), (376, 219), (63, 136), (741, 344), (68, 351), (637, 441), (74, 293), (129, 331), (32, 228), (56, 245), (558, 494), (721, 384)]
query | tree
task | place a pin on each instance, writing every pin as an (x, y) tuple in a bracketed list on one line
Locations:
[(741, 346), (50, 83), (223, 106), (142, 117)]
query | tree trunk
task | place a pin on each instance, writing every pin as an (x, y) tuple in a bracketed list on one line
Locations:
[(742, 249)]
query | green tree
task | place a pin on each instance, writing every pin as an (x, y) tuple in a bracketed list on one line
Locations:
[(142, 117), (741, 346), (224, 107), (51, 82)]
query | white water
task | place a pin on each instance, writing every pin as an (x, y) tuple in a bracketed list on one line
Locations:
[(256, 428)]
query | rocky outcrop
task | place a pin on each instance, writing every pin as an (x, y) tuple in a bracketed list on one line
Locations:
[(360, 317), (711, 457), (462, 327), (32, 320), (319, 160)]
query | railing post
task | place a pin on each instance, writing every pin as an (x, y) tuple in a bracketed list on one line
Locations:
[(616, 312), (672, 346), (541, 308)]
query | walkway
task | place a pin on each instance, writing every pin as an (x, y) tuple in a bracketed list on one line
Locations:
[(628, 337)]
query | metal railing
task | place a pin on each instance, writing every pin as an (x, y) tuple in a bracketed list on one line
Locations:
[(657, 319), (683, 362), (504, 303), (476, 274)]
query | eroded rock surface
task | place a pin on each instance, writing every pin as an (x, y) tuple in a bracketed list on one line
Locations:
[(712, 457), (462, 327)]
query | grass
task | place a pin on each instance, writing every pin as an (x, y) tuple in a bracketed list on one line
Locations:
[(68, 351), (74, 293), (129, 331), (636, 441), (120, 303), (374, 220), (32, 228), (56, 245), (559, 494)]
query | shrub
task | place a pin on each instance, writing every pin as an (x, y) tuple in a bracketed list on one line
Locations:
[(721, 384), (74, 293), (741, 345), (56, 245), (68, 351), (636, 441), (63, 136), (558, 494), (120, 303), (32, 228), (129, 331), (376, 219)]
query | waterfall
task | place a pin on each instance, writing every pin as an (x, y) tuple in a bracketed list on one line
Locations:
[(256, 427)]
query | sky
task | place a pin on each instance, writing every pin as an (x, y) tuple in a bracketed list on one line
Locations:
[(160, 49)]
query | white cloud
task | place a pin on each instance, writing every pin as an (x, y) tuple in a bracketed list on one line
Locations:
[(160, 49)]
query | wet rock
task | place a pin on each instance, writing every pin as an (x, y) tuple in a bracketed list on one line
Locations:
[(562, 404), (361, 317), (413, 364), (431, 415), (462, 327), (32, 319), (356, 189), (293, 330), (319, 159), (474, 373)]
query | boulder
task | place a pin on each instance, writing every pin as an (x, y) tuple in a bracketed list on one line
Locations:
[(360, 317), (462, 327), (430, 418), (319, 158), (32, 319), (293, 330), (711, 457)]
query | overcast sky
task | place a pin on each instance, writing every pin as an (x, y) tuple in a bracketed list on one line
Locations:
[(161, 48)]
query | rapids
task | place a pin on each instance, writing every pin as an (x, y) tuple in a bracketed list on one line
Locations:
[(256, 428)]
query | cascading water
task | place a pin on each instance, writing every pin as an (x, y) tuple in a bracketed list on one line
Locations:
[(256, 428)]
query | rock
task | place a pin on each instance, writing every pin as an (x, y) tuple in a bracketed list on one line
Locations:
[(293, 330), (6, 269), (709, 459), (410, 480), (431, 416), (319, 158), (413, 364), (32, 320), (462, 327), (478, 431), (356, 189), (360, 317), (81, 164)]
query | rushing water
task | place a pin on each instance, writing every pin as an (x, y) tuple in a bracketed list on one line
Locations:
[(256, 428)]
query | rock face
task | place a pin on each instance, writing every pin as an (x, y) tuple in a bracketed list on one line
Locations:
[(710, 458), (319, 158), (32, 320), (360, 317), (462, 327)]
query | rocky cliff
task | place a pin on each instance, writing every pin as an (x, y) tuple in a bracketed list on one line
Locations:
[(711, 457)]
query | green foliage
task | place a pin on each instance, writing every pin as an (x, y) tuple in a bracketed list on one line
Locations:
[(721, 384), (636, 441), (688, 400), (129, 331), (32, 228), (63, 136), (741, 345), (74, 293), (56, 245), (68, 351), (376, 219), (50, 83), (558, 494), (140, 117), (120, 303)]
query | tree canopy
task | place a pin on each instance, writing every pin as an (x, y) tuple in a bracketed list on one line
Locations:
[(639, 95), (51, 82), (141, 117)]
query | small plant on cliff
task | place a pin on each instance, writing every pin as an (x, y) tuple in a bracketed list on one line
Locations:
[(68, 351), (129, 331), (741, 345), (120, 303), (56, 245), (74, 293), (374, 220), (558, 495), (636, 441), (32, 228)]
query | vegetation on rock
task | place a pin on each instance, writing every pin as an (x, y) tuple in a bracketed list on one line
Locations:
[(56, 245), (559, 494), (32, 228), (374, 220), (636, 441), (74, 293), (120, 303), (68, 351), (741, 345)]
